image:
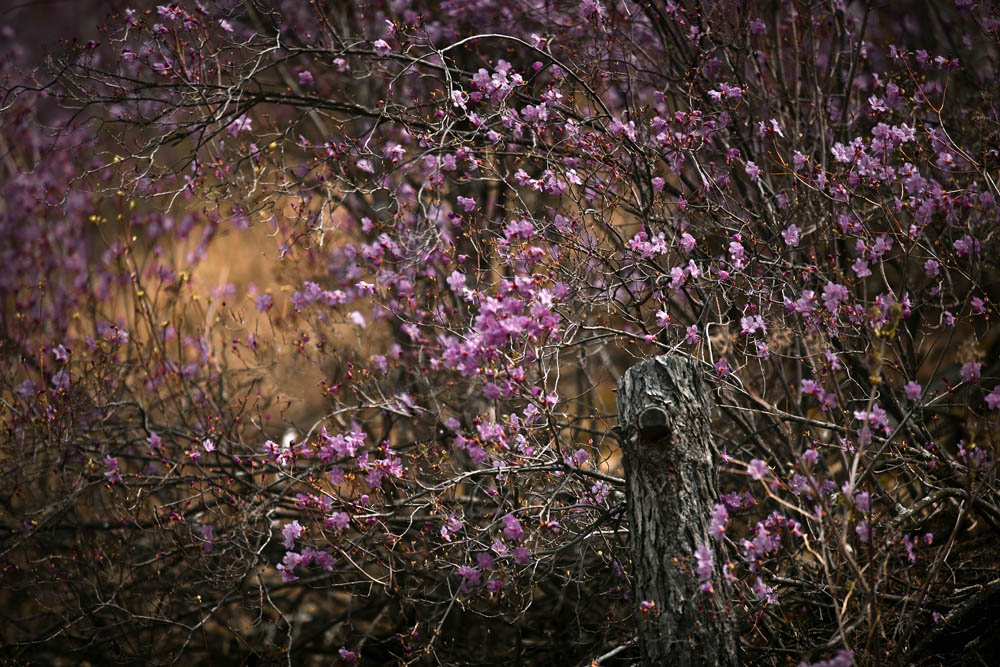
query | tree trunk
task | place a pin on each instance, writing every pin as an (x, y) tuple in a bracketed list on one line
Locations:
[(671, 487)]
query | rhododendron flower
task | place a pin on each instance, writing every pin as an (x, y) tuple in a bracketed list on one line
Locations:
[(338, 521), (717, 527), (971, 372), (451, 526), (705, 561), (61, 381), (764, 592), (791, 235), (757, 469), (471, 577), (691, 335), (993, 398), (111, 472), (381, 47), (241, 124), (291, 532), (512, 527)]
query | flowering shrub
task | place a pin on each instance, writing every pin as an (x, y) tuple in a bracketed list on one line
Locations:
[(477, 216)]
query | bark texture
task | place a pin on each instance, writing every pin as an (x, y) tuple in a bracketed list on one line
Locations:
[(671, 486)]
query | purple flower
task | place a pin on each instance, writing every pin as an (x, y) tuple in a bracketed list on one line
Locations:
[(512, 527), (764, 592), (306, 78), (291, 532), (757, 469), (241, 124), (111, 472), (833, 296), (484, 561), (450, 527), (966, 246), (687, 242), (459, 98), (753, 171), (791, 235), (61, 381), (913, 390), (863, 529), (722, 368), (691, 335), (705, 560), (456, 281), (338, 521), (971, 372), (993, 398), (720, 516), (471, 577), (26, 389), (381, 47), (467, 203), (264, 303), (931, 268)]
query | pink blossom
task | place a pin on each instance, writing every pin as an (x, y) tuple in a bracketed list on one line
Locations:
[(971, 372), (791, 235), (993, 398), (111, 472), (291, 532), (757, 469), (512, 527)]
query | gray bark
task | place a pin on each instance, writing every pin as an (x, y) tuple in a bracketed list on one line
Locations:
[(671, 487)]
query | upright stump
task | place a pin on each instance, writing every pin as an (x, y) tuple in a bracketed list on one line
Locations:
[(671, 487)]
